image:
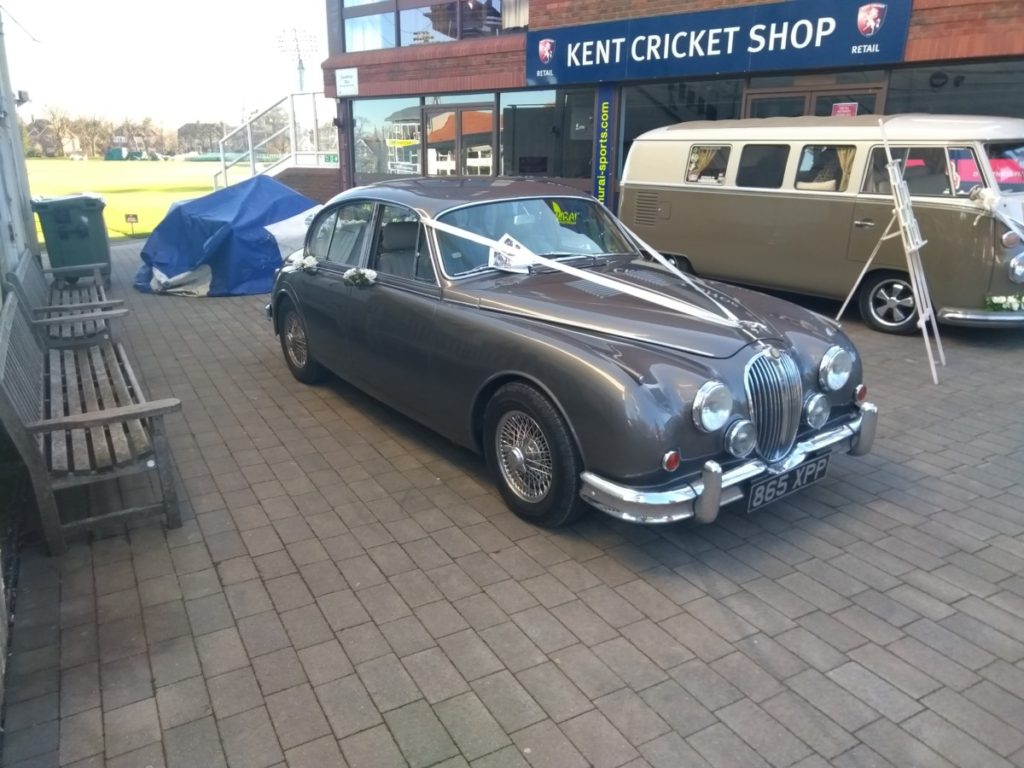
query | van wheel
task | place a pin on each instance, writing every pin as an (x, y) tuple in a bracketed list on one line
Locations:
[(888, 304)]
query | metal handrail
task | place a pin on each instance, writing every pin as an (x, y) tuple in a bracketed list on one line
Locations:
[(293, 154)]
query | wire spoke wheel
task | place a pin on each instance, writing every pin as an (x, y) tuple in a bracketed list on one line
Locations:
[(524, 456), (295, 341)]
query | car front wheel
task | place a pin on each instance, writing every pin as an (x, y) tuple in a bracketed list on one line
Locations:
[(532, 456), (295, 346), (888, 304)]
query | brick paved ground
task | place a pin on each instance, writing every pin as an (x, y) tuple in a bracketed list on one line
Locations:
[(348, 589)]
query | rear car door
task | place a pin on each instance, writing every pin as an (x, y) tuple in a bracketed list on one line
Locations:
[(338, 240)]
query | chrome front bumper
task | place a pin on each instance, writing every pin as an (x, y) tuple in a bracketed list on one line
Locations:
[(981, 318), (704, 496)]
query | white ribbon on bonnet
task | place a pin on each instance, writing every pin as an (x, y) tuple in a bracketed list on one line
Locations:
[(726, 318)]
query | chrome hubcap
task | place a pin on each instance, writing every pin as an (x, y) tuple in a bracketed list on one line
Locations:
[(295, 341), (524, 456), (893, 302)]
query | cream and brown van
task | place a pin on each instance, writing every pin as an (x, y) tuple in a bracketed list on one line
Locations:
[(799, 204)]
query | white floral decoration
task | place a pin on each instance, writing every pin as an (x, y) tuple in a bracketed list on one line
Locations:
[(360, 277)]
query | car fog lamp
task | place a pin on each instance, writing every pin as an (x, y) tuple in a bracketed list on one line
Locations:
[(860, 394), (835, 369), (816, 410), (1010, 239), (1017, 268), (712, 407), (670, 461), (741, 439)]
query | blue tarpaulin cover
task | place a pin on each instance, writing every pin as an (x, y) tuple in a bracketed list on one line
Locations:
[(223, 231)]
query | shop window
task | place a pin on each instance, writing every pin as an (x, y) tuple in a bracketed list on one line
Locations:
[(825, 168), (990, 88), (547, 133), (376, 24), (762, 166), (707, 164), (386, 138), (653, 105), (370, 33)]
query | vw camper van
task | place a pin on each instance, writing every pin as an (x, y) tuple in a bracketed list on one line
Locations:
[(799, 204)]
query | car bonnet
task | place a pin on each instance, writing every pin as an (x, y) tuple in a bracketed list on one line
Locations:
[(566, 300)]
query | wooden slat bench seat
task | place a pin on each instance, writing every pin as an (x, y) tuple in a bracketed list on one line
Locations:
[(79, 416), (53, 304)]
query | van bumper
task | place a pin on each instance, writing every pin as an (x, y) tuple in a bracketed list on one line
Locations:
[(703, 495), (981, 318)]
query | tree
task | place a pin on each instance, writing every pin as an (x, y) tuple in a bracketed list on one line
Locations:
[(93, 132), (60, 124)]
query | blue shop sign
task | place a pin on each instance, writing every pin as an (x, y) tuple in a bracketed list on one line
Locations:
[(802, 34)]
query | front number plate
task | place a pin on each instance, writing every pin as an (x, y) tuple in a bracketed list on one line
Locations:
[(773, 488)]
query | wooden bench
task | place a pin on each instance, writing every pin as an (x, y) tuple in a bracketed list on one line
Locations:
[(78, 416), (51, 304)]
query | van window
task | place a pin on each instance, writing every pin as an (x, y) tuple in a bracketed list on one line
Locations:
[(925, 169), (762, 165), (825, 168), (707, 164)]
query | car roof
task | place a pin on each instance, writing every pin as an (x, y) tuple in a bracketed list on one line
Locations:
[(910, 127), (436, 195)]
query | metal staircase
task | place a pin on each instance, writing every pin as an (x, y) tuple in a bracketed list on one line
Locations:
[(295, 131)]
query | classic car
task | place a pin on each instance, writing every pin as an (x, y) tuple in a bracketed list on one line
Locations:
[(521, 319)]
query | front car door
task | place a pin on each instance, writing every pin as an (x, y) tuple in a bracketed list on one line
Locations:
[(958, 255)]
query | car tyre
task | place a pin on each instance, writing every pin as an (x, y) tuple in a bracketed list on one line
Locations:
[(887, 303), (295, 346), (533, 456)]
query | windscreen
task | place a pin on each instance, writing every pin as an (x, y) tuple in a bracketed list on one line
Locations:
[(1007, 162), (556, 227)]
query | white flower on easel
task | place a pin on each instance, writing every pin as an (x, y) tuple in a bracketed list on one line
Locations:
[(360, 277)]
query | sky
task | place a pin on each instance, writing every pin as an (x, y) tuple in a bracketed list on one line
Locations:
[(176, 62)]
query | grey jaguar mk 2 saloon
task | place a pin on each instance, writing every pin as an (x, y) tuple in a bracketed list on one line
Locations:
[(521, 319)]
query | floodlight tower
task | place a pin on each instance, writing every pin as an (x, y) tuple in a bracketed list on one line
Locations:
[(301, 44)]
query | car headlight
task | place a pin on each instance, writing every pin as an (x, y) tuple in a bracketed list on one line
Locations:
[(741, 439), (816, 410), (712, 407), (1017, 268), (835, 369)]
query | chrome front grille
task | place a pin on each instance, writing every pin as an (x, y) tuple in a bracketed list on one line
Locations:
[(775, 394)]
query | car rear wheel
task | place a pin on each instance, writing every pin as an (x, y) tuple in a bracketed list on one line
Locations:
[(888, 304), (295, 346), (532, 456)]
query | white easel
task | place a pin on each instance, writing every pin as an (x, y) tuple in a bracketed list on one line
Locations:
[(912, 243)]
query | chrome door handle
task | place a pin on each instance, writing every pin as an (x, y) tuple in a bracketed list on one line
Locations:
[(864, 223)]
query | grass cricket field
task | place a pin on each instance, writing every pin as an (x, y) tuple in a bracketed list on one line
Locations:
[(145, 188)]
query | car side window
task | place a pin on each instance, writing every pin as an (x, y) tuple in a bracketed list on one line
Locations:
[(350, 229), (825, 168), (401, 248), (707, 164), (926, 170), (320, 239), (762, 166)]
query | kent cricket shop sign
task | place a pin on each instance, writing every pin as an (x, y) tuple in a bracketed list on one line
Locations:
[(803, 34)]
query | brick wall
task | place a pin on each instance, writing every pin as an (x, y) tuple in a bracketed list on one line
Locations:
[(939, 29), (468, 65), (320, 184)]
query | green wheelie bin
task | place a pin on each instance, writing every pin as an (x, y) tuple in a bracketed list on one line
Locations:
[(75, 234)]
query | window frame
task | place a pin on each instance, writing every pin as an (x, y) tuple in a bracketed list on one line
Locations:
[(721, 181), (796, 182)]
